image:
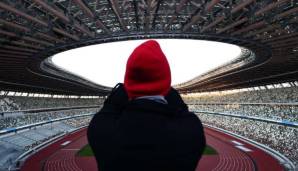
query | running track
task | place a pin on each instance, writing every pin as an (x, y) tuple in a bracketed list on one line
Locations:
[(244, 157)]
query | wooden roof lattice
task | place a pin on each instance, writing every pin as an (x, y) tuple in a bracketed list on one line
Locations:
[(33, 30)]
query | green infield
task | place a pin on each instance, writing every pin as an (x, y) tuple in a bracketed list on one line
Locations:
[(87, 151), (209, 151)]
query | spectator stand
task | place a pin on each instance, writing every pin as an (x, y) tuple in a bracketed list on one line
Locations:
[(20, 142)]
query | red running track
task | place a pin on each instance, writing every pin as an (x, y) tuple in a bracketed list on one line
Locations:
[(56, 157)]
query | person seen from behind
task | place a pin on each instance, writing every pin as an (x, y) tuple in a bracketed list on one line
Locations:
[(144, 125)]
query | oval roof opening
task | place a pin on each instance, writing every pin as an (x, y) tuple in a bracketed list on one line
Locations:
[(105, 64)]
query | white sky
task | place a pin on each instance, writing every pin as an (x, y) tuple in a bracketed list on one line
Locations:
[(105, 64)]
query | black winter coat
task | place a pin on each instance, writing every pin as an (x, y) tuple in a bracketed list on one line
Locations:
[(144, 135)]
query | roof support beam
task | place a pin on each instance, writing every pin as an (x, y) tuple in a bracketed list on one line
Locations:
[(83, 29), (29, 17), (102, 26), (26, 45), (214, 23), (17, 42), (287, 13), (49, 37), (270, 7), (266, 29), (116, 9), (243, 20), (242, 5), (11, 59), (258, 13), (86, 10), (37, 41), (13, 56), (283, 41), (11, 34), (14, 25), (90, 14), (178, 9), (52, 10), (198, 17), (74, 37), (18, 48), (210, 5), (281, 37), (7, 33), (25, 29), (221, 18), (136, 9), (155, 13), (2, 51), (286, 45), (152, 4), (63, 17), (262, 23), (250, 27)]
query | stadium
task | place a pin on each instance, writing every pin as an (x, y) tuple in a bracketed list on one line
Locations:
[(248, 105)]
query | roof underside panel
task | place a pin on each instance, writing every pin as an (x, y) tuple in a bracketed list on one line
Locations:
[(32, 30)]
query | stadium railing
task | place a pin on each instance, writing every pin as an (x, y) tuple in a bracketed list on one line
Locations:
[(49, 109), (237, 103), (16, 129), (280, 122)]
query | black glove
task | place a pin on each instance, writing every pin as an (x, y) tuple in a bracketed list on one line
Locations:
[(174, 100), (118, 97)]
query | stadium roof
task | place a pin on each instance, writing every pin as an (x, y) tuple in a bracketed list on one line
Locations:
[(32, 30)]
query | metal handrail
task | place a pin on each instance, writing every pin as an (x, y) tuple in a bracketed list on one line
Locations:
[(50, 109), (280, 122), (240, 103), (16, 129)]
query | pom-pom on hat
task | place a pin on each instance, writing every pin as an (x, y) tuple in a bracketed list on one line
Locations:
[(147, 71)]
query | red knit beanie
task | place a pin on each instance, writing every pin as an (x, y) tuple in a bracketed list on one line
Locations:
[(147, 71)]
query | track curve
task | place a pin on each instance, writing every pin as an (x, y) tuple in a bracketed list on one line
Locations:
[(233, 155)]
